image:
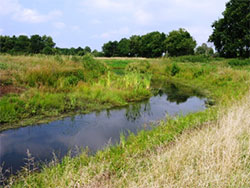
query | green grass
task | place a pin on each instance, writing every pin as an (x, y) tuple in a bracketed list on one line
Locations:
[(56, 86), (216, 80)]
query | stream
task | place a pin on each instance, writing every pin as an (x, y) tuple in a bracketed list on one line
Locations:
[(94, 130)]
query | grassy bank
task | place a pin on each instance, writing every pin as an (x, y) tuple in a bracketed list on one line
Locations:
[(42, 88), (126, 164)]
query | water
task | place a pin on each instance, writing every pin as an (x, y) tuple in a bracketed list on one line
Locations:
[(94, 130)]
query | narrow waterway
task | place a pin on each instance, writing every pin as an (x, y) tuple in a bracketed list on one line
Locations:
[(94, 130)]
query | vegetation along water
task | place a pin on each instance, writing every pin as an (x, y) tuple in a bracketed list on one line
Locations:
[(104, 102)]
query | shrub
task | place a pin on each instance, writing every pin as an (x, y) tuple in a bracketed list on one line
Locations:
[(193, 59), (3, 66), (175, 69), (93, 67), (239, 62)]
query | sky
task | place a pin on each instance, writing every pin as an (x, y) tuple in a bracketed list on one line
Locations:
[(73, 23)]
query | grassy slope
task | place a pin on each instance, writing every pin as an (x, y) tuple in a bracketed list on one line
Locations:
[(56, 86), (161, 156)]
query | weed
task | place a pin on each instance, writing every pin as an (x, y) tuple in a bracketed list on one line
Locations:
[(175, 69)]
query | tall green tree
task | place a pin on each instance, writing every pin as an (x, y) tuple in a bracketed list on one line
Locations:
[(7, 44), (231, 34), (152, 44), (87, 49), (123, 48), (135, 44), (110, 49), (36, 44), (204, 50), (180, 42), (48, 41), (22, 44)]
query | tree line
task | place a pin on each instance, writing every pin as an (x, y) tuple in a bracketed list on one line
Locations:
[(37, 44), (150, 45), (231, 38), (24, 45), (153, 44)]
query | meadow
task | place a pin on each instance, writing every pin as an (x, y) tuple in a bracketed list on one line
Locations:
[(53, 86)]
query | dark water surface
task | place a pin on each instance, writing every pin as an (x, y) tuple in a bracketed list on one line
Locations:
[(94, 130)]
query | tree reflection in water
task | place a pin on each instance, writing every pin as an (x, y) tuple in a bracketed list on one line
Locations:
[(134, 111)]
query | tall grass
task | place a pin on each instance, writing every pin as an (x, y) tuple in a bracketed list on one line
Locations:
[(57, 85), (217, 155)]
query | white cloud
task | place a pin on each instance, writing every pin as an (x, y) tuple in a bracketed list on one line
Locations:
[(114, 33), (95, 21), (75, 28), (108, 5), (142, 17), (59, 25), (19, 13)]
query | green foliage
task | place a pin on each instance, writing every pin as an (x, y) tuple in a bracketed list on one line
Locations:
[(95, 53), (48, 50), (94, 68), (152, 45), (194, 59), (175, 69), (110, 49), (239, 62), (204, 50), (231, 34), (149, 45), (25, 45), (123, 48), (179, 43), (3, 66), (140, 67), (135, 44)]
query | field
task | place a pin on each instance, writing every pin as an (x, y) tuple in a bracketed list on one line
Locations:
[(176, 152)]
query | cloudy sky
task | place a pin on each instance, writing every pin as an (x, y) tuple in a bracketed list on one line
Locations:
[(74, 23)]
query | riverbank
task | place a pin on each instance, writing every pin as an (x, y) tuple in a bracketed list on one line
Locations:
[(209, 148), (47, 88), (120, 165), (55, 86)]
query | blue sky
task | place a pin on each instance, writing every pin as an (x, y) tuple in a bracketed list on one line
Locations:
[(94, 22)]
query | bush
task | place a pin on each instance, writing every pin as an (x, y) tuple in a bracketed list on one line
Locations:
[(193, 59), (93, 67), (175, 70), (239, 62)]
